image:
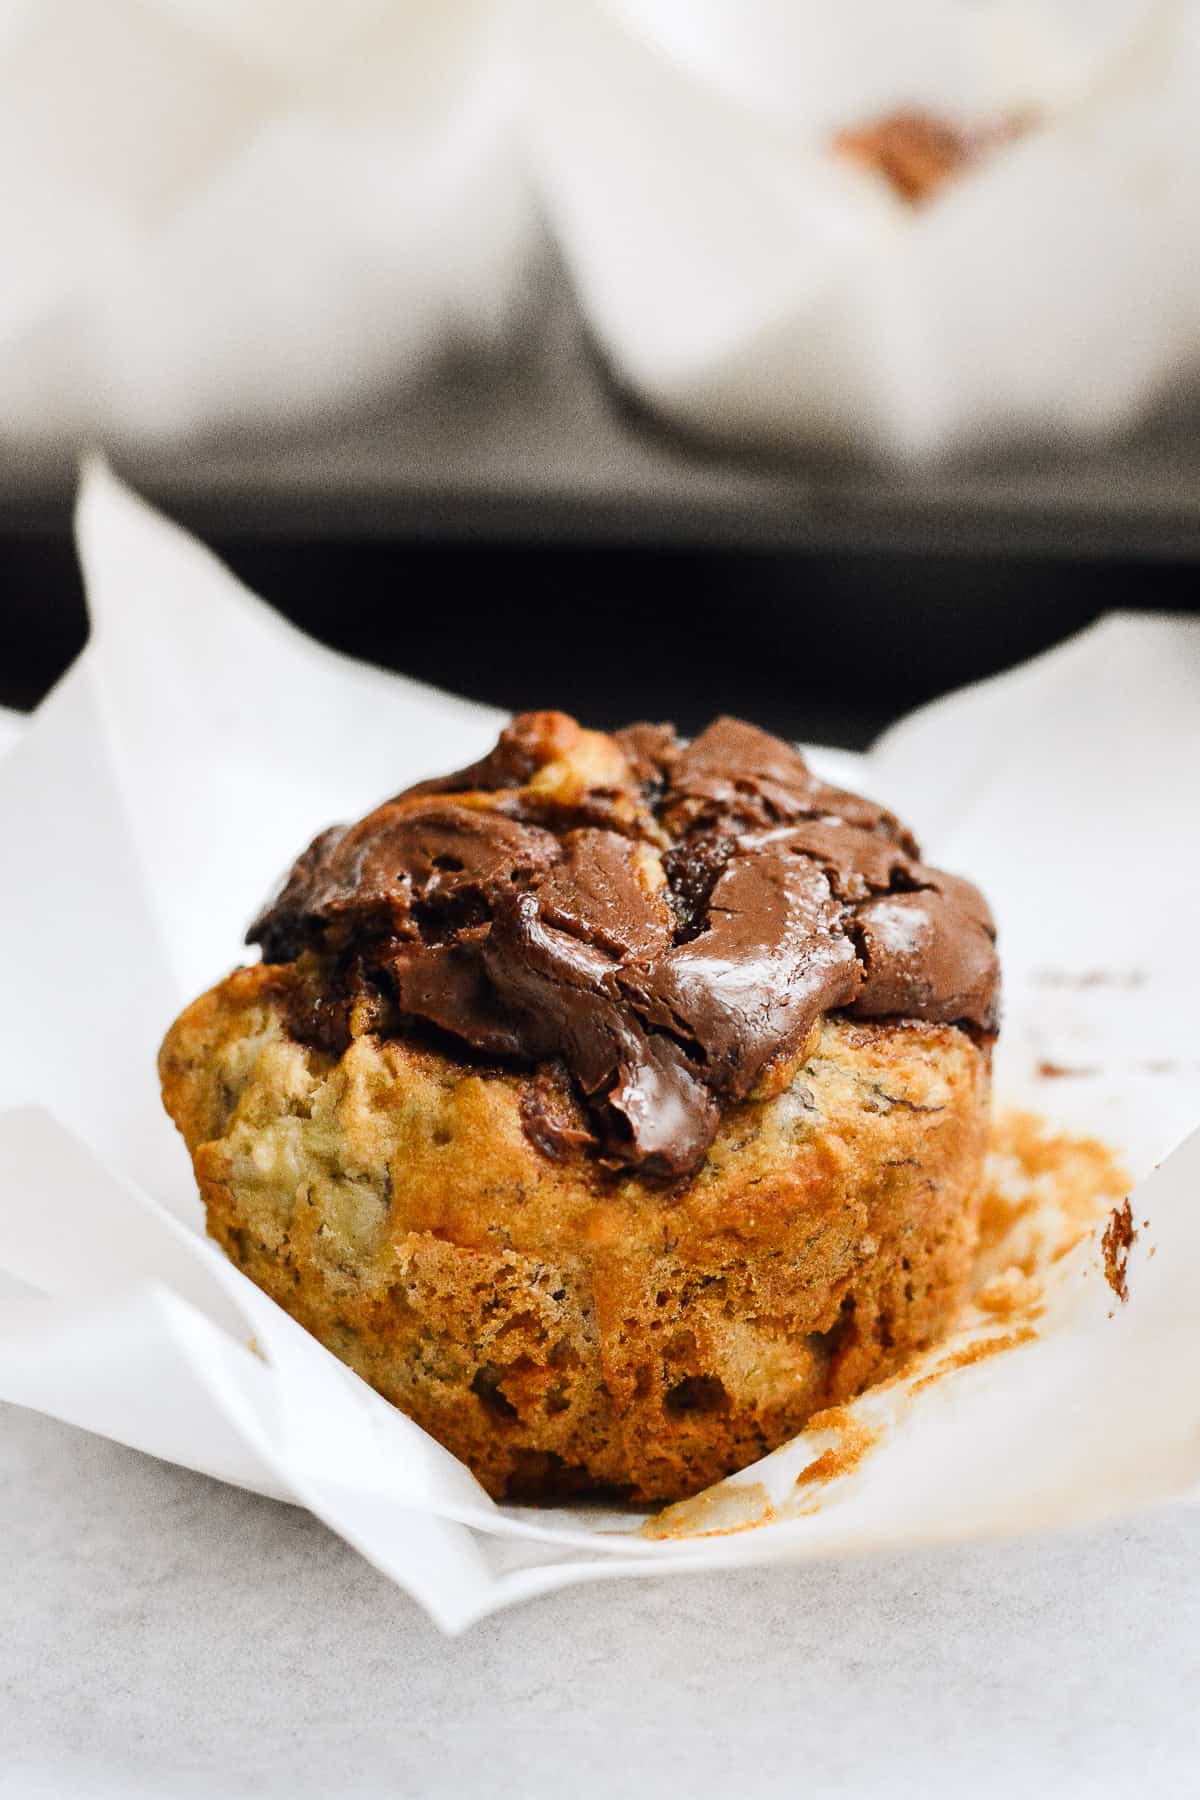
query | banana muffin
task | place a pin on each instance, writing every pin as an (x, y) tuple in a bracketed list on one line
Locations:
[(610, 1106)]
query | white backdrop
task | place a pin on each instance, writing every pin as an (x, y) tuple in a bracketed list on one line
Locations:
[(217, 212)]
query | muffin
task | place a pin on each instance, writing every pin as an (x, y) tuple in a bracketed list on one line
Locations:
[(610, 1106)]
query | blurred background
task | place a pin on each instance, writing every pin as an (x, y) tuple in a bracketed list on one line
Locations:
[(635, 359)]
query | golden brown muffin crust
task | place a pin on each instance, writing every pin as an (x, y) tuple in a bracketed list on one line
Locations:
[(561, 1326)]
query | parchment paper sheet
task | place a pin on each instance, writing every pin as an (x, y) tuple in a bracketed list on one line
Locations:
[(750, 283), (161, 790)]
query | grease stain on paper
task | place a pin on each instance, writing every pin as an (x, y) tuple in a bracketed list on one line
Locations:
[(978, 1350), (1011, 1295), (854, 1439), (719, 1512)]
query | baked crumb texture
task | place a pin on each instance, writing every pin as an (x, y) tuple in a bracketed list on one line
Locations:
[(562, 1327)]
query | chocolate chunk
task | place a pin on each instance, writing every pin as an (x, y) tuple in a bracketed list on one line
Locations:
[(603, 889), (733, 773), (550, 1114), (657, 922), (651, 750), (446, 985), (403, 857), (923, 957), (750, 987)]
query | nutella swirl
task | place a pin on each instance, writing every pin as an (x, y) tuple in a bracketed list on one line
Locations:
[(666, 921)]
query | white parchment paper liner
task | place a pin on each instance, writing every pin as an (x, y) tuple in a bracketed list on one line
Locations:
[(749, 283), (165, 784), (219, 212)]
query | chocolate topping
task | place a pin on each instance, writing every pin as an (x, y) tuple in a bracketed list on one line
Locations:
[(919, 155), (661, 925)]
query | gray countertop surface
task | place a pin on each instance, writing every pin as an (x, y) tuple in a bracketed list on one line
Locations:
[(165, 1636)]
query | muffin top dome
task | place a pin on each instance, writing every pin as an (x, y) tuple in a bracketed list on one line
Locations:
[(667, 920)]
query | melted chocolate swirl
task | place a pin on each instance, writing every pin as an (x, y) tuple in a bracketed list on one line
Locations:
[(668, 921)]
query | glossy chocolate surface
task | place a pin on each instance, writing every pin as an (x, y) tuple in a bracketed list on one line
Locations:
[(665, 922)]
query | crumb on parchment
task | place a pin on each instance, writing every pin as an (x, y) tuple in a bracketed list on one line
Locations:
[(1119, 1235), (855, 1438)]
